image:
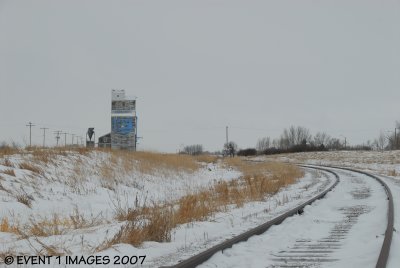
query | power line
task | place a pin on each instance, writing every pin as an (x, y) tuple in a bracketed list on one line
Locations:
[(30, 125)]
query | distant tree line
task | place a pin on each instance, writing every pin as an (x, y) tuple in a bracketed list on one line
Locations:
[(195, 149), (299, 139)]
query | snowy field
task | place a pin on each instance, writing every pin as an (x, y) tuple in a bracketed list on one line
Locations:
[(67, 204), (81, 194), (383, 163)]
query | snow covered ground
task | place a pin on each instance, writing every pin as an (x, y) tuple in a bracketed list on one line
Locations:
[(85, 183), (76, 189), (75, 197), (342, 230), (196, 237), (386, 164), (77, 186)]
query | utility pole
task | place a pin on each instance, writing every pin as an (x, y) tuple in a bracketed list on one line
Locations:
[(30, 125), (345, 141), (44, 135), (58, 132), (395, 138), (65, 138), (72, 139), (227, 140)]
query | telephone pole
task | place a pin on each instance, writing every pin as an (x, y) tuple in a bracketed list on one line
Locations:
[(345, 141), (58, 132), (227, 140), (44, 135), (30, 125), (65, 138)]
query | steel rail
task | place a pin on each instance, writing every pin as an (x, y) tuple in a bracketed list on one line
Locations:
[(207, 254), (387, 241)]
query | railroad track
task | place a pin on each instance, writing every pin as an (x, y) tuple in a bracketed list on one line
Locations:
[(315, 252)]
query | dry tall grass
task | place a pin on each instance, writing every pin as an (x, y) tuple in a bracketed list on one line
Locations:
[(48, 226), (144, 162), (6, 227), (150, 163), (6, 149), (155, 222), (206, 158), (30, 167), (9, 172)]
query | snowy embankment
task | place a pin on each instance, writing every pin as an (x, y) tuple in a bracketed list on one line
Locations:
[(67, 203), (386, 164), (75, 197)]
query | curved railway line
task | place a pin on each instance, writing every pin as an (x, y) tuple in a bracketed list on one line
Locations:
[(305, 253)]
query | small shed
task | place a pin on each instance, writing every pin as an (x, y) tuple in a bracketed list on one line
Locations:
[(105, 141)]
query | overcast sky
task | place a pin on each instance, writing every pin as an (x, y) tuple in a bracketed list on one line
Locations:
[(198, 66)]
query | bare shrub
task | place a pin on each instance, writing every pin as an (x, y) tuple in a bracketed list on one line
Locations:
[(25, 199), (78, 221)]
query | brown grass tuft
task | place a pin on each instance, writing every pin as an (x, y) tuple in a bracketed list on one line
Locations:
[(153, 225), (195, 207), (24, 199), (6, 227), (9, 172), (30, 167), (392, 173), (56, 224)]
